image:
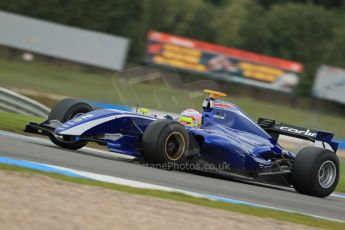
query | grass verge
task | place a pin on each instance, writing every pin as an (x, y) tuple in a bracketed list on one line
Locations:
[(260, 212), (16, 122)]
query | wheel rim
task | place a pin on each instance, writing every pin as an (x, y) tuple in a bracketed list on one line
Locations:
[(327, 174), (174, 146)]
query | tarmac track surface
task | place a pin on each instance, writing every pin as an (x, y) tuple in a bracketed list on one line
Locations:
[(87, 159)]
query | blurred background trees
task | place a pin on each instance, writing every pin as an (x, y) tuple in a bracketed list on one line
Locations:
[(309, 31)]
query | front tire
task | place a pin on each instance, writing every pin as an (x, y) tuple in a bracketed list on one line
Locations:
[(315, 172), (165, 142), (63, 111)]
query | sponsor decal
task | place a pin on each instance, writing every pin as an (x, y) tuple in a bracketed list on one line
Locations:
[(207, 104), (83, 117), (223, 105), (307, 132), (219, 116)]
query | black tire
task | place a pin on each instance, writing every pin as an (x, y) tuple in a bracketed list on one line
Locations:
[(309, 174), (63, 111), (164, 142)]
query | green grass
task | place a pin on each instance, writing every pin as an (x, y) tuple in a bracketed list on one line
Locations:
[(53, 79), (100, 86), (341, 184), (16, 122), (260, 212)]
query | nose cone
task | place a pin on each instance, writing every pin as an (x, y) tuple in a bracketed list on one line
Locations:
[(87, 118)]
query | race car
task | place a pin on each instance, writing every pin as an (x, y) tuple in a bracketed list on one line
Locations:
[(225, 141)]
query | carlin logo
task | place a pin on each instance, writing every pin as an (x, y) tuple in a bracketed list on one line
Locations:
[(294, 130)]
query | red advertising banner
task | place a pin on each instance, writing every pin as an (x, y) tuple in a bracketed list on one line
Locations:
[(222, 62)]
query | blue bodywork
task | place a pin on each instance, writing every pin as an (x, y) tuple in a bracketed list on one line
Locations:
[(226, 135), (230, 136)]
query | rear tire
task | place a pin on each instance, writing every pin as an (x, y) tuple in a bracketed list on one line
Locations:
[(63, 111), (315, 171), (165, 142)]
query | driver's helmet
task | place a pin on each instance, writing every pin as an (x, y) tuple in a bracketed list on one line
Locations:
[(191, 118)]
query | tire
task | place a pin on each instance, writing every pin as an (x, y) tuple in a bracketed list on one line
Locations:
[(165, 142), (63, 111), (315, 171)]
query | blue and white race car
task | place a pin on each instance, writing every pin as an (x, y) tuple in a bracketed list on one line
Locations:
[(225, 142)]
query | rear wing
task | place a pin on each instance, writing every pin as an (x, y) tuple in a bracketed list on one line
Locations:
[(320, 138)]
